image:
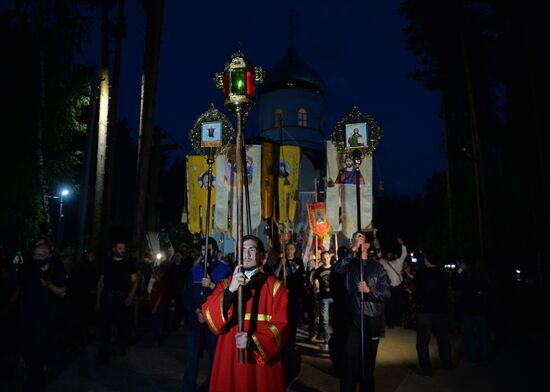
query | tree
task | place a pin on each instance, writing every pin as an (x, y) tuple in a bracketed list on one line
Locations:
[(154, 10), (47, 93)]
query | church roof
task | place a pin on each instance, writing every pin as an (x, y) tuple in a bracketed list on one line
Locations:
[(292, 72)]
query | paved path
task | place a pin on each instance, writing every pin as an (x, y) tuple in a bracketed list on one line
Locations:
[(520, 364)]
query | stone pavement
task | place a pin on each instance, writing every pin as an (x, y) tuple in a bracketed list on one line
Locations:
[(520, 363)]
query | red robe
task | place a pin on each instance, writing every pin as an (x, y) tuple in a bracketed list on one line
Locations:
[(267, 326)]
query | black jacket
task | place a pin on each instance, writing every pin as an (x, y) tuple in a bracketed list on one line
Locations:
[(376, 278)]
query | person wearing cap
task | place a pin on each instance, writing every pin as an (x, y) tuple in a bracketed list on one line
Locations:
[(365, 298), (265, 331)]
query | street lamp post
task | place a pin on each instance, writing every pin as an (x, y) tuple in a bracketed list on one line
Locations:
[(63, 193)]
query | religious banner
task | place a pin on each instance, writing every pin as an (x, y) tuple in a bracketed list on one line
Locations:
[(317, 214), (341, 194), (269, 156), (226, 207), (253, 170), (333, 192), (197, 188), (349, 197), (221, 212), (289, 171)]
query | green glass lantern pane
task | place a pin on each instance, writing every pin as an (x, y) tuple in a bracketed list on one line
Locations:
[(238, 81)]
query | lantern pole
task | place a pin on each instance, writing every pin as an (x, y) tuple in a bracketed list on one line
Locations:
[(239, 220), (238, 84)]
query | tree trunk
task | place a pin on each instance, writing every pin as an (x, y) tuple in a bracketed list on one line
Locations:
[(86, 169), (155, 10), (40, 141), (448, 160), (155, 168), (113, 114), (477, 157), (102, 126)]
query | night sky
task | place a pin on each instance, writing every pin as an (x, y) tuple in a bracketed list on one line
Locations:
[(358, 48)]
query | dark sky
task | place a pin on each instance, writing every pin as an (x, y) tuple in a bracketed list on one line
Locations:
[(358, 47)]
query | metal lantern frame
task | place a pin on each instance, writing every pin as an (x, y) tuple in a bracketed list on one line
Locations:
[(239, 69)]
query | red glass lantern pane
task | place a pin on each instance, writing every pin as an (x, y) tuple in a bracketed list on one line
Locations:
[(225, 84), (250, 83)]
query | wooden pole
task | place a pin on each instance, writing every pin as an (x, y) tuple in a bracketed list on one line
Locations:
[(210, 162), (357, 162), (315, 182), (239, 239)]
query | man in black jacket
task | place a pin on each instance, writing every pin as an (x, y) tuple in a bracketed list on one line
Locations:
[(432, 298), (365, 298)]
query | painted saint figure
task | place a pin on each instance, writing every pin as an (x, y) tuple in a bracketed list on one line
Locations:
[(346, 175), (356, 139)]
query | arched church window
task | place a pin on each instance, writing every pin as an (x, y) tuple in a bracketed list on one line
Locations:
[(278, 118), (302, 117)]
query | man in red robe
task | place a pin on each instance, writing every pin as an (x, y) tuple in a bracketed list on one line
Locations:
[(265, 327)]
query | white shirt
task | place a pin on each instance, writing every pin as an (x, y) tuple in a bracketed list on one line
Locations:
[(395, 267)]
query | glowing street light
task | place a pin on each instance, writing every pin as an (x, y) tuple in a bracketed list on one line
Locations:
[(64, 192)]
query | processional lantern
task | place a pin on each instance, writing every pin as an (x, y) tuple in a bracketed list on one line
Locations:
[(238, 82)]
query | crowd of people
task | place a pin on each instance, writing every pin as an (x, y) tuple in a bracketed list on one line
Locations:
[(344, 300)]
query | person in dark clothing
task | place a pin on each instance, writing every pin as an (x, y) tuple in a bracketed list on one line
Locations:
[(409, 314), (472, 287), (364, 298), (290, 271), (321, 279), (174, 278), (116, 288), (341, 312), (158, 305), (432, 298), (40, 289), (196, 289), (82, 290)]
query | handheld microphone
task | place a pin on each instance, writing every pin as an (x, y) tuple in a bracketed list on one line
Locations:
[(360, 250)]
